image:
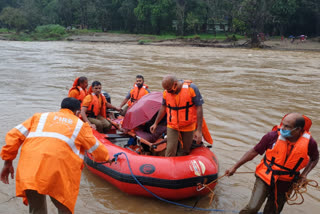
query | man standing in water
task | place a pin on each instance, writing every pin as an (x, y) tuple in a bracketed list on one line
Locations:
[(51, 158), (288, 149), (139, 90), (182, 102)]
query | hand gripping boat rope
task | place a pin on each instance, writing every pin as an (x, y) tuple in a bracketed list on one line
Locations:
[(162, 199)]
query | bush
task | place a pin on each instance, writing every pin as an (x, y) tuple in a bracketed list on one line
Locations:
[(4, 30), (50, 31)]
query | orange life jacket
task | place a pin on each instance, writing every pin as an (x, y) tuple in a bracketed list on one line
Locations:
[(183, 113), (82, 93), (277, 165), (93, 108), (136, 93), (52, 152)]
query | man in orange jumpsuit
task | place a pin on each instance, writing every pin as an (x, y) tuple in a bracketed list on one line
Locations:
[(51, 159)]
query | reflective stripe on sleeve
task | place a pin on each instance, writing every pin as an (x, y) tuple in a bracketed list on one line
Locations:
[(94, 147), (22, 129)]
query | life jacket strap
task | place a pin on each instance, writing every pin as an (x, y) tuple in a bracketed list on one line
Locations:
[(290, 172)]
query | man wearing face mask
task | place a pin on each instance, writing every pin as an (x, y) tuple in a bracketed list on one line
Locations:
[(288, 149), (139, 90), (182, 102)]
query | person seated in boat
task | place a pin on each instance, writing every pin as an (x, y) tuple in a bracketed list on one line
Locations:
[(139, 90), (184, 119), (79, 88), (143, 130), (93, 109)]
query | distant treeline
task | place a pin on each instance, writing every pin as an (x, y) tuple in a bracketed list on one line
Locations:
[(273, 17)]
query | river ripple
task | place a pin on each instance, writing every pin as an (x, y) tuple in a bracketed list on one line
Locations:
[(246, 92)]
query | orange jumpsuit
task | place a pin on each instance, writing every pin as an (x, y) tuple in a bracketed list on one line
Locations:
[(52, 151)]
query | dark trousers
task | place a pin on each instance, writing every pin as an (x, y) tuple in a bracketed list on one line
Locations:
[(38, 203), (260, 192)]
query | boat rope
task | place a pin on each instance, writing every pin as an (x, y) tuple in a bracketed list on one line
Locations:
[(165, 200), (298, 189), (8, 200), (211, 190)]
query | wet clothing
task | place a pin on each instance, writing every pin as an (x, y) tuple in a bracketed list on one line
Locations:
[(38, 203), (52, 151), (262, 190)]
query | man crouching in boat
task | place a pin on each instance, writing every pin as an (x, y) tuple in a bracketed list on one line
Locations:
[(93, 110), (51, 159), (288, 149), (182, 102)]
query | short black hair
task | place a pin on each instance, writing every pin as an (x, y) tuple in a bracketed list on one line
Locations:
[(139, 77), (300, 122), (82, 80), (95, 83), (71, 103)]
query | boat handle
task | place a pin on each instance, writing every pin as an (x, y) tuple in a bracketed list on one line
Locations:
[(200, 187)]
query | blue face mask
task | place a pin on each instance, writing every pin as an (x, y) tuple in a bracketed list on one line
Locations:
[(285, 133)]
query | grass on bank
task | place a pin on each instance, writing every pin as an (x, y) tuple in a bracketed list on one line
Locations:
[(57, 32), (218, 37)]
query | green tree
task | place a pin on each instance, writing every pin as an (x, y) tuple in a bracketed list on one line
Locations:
[(255, 13), (282, 11), (154, 15), (14, 18), (126, 11), (180, 14)]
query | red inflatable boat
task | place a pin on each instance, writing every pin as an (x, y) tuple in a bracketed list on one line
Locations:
[(172, 178)]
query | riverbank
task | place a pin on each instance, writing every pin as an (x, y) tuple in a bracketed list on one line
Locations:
[(136, 39), (276, 44)]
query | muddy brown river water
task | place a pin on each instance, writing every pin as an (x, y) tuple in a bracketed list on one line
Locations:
[(246, 92)]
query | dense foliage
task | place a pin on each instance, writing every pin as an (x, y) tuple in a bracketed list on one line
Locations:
[(273, 17)]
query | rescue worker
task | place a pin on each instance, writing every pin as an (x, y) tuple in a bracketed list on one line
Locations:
[(139, 90), (288, 149), (93, 110), (51, 158), (79, 88), (182, 102)]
